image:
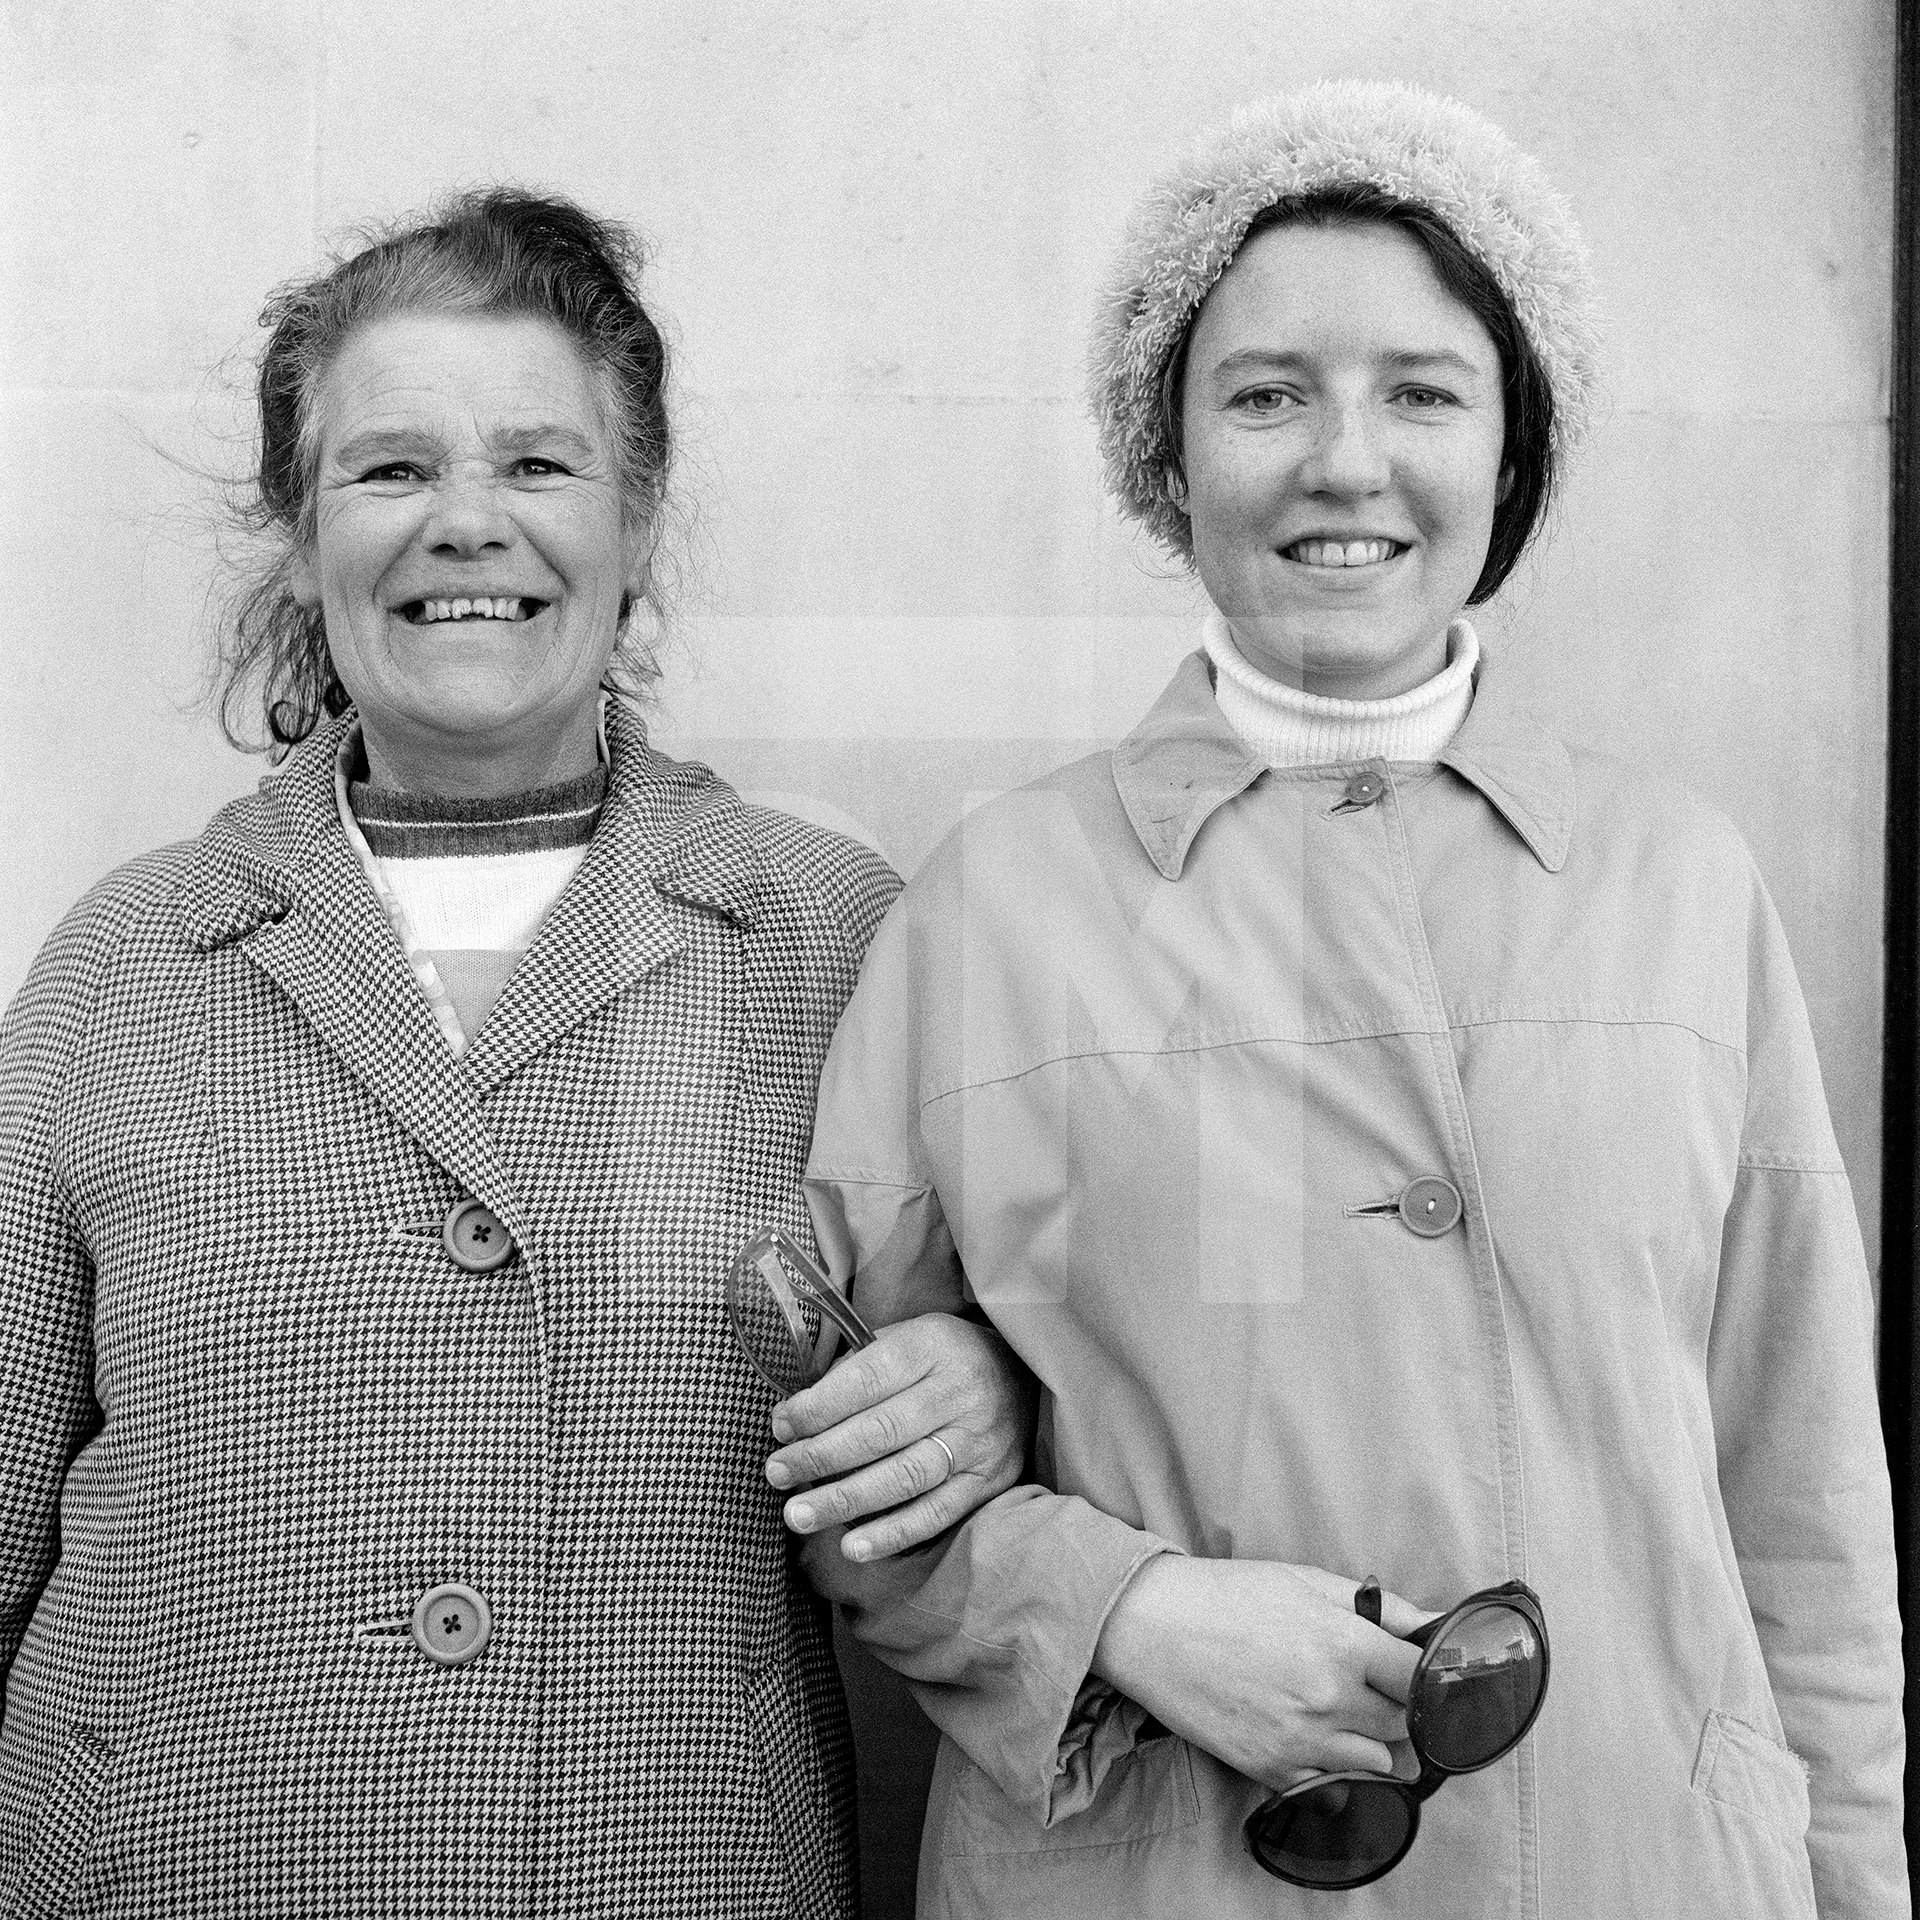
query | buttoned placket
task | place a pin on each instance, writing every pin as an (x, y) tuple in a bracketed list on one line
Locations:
[(1174, 777), (1463, 1173)]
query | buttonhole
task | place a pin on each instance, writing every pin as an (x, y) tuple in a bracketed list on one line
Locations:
[(376, 1636), (1375, 1210)]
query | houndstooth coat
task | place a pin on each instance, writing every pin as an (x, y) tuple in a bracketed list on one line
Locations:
[(251, 1410)]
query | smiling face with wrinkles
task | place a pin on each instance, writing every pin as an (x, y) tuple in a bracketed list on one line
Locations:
[(1343, 423), (471, 551)]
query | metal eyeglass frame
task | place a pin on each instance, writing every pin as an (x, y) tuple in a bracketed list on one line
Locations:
[(805, 1276), (1518, 1598)]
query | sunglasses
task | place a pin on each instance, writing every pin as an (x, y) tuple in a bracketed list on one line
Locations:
[(788, 1317), (1477, 1690)]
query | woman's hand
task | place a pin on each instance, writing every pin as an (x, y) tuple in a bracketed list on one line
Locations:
[(1266, 1667), (875, 1418)]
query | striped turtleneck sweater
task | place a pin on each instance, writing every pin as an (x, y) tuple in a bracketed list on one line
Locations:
[(467, 884), (1288, 728)]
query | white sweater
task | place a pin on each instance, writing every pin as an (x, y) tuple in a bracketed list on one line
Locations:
[(466, 884), (1288, 728)]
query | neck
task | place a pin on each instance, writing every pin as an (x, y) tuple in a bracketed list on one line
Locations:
[(404, 760), (1332, 673), (1287, 727)]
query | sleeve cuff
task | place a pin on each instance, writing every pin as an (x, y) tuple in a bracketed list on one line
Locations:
[(995, 1626)]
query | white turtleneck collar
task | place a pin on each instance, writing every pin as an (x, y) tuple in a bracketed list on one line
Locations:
[(1288, 728)]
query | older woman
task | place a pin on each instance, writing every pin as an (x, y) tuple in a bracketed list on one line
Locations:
[(1395, 1142), (379, 1532)]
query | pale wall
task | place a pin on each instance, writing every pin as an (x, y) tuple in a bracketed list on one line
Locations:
[(878, 229)]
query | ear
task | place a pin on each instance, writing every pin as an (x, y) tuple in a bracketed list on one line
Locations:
[(1506, 485), (642, 538), (1173, 484), (303, 581)]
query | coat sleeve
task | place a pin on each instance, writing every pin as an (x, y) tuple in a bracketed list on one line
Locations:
[(47, 1406), (994, 1624), (1801, 1461)]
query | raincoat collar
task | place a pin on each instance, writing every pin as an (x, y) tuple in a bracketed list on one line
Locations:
[(1184, 762)]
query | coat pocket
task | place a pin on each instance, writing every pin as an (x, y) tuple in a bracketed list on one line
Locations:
[(796, 1790), (63, 1827), (1146, 1791), (1743, 1768)]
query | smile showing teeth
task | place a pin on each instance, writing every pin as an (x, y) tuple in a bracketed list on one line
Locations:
[(502, 607), (1341, 553)]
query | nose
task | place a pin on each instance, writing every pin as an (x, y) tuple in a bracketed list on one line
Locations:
[(466, 518), (1348, 457)]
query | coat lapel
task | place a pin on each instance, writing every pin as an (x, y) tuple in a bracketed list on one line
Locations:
[(274, 878), (671, 837)]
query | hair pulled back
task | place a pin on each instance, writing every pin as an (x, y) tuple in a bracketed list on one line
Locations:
[(496, 250)]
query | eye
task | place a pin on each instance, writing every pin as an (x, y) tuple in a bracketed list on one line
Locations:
[(537, 466), (1264, 400), (1425, 399), (392, 470)]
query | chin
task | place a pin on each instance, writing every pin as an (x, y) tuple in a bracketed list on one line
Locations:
[(459, 710)]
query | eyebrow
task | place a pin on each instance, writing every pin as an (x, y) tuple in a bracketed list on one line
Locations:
[(1413, 359), (370, 449), (1402, 360), (381, 444), (545, 433)]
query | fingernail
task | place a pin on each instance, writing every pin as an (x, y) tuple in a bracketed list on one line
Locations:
[(777, 1474), (860, 1549), (782, 1426), (800, 1518)]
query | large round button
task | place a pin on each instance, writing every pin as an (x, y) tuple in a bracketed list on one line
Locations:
[(1364, 789), (1431, 1206), (474, 1238), (452, 1625)]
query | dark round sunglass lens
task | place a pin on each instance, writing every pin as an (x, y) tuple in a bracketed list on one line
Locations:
[(777, 1325), (1482, 1684), (1337, 1832)]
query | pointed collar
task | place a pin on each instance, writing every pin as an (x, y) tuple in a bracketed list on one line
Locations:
[(1522, 769), (686, 826), (274, 877), (671, 832), (1180, 764), (254, 854), (1184, 761), (675, 827)]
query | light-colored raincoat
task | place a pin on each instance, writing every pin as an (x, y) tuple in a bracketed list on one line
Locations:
[(1151, 1050)]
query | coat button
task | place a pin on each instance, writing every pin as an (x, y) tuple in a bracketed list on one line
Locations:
[(1431, 1207), (474, 1238), (1364, 789), (452, 1625)]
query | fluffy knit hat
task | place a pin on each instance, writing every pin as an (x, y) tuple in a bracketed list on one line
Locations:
[(1410, 144)]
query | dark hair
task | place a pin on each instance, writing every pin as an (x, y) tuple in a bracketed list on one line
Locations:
[(498, 250), (1526, 457)]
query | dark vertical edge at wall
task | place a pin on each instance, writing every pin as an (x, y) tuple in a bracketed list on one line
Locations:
[(1900, 1229)]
